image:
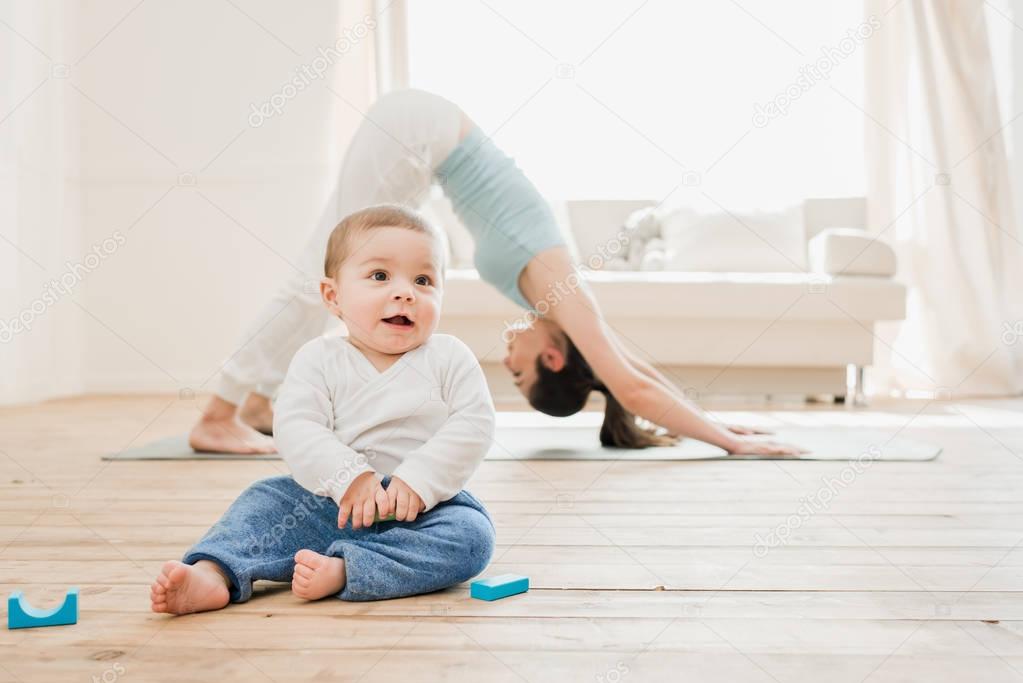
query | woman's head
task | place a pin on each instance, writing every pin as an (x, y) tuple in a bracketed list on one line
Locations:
[(542, 343), (557, 380)]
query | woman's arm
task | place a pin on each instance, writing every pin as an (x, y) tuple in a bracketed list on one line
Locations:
[(649, 370), (578, 314), (646, 395), (652, 372)]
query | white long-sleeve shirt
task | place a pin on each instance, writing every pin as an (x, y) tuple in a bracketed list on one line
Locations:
[(428, 419)]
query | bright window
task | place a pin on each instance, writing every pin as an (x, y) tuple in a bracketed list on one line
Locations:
[(592, 107)]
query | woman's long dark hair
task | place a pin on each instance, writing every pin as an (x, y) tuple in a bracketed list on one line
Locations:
[(564, 393)]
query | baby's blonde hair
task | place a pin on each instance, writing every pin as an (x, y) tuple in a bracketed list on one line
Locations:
[(339, 246)]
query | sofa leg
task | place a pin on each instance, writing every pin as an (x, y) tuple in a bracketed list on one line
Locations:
[(857, 395)]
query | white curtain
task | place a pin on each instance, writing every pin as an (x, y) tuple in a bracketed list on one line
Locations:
[(938, 192)]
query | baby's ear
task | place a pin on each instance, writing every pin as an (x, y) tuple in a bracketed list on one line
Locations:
[(331, 295)]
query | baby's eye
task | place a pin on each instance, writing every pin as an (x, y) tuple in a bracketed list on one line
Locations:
[(423, 281), (375, 273)]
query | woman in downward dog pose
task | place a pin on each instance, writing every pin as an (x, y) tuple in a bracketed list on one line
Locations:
[(409, 139)]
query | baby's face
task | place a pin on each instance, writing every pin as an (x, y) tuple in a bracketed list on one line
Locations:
[(389, 289)]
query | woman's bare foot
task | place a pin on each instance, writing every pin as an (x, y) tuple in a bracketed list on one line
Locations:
[(317, 576), (221, 431), (258, 413), (183, 588)]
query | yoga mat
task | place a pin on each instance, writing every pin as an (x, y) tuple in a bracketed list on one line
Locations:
[(532, 436)]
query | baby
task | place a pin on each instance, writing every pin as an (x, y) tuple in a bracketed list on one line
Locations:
[(390, 420)]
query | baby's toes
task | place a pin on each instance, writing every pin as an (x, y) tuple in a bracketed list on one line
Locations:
[(307, 558), (158, 599)]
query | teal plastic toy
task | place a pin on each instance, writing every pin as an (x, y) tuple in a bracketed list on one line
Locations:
[(497, 587), (20, 614)]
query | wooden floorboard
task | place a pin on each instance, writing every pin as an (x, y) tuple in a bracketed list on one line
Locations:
[(641, 571)]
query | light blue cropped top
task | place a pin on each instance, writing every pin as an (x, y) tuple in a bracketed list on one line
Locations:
[(509, 220)]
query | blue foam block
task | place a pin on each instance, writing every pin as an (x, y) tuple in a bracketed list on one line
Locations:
[(20, 614), (497, 587)]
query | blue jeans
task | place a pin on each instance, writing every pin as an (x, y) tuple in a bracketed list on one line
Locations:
[(258, 536)]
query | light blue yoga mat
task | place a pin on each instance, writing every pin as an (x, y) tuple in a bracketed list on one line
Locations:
[(531, 436)]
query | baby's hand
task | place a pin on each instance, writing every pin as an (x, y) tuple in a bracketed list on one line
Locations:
[(405, 502), (361, 500)]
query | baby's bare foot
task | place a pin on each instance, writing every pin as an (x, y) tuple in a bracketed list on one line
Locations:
[(182, 588), (317, 576)]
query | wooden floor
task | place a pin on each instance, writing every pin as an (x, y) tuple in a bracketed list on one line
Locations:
[(640, 571)]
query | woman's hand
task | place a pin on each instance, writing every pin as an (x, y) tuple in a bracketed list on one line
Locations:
[(747, 431), (751, 447)]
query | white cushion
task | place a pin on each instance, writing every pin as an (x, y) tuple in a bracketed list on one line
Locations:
[(727, 296), (846, 251), (737, 241)]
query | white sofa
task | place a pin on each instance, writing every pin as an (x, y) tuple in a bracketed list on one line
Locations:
[(721, 327)]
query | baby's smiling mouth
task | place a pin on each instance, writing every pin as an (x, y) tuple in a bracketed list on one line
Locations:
[(399, 320)]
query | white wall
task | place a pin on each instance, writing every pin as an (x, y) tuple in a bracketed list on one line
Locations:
[(143, 134), (39, 220)]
